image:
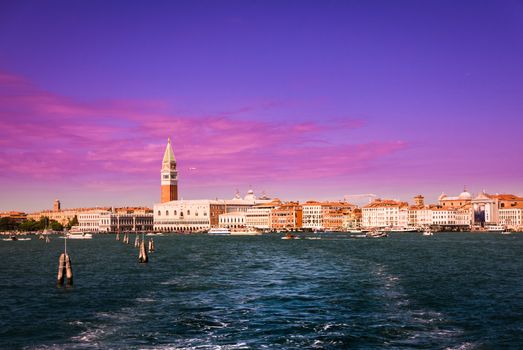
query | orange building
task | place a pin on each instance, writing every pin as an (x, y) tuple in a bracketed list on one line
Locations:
[(287, 217)]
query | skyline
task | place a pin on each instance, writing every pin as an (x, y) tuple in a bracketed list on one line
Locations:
[(301, 100)]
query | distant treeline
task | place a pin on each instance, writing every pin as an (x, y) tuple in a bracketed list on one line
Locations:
[(9, 224)]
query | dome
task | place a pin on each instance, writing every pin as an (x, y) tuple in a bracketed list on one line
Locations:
[(250, 196), (442, 196), (465, 195)]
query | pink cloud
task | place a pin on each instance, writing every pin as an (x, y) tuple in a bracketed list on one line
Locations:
[(47, 137)]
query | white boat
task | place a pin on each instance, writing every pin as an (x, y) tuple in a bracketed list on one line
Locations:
[(506, 232), (219, 231), (14, 238), (357, 231), (78, 235), (154, 234), (495, 228), (428, 233), (245, 233)]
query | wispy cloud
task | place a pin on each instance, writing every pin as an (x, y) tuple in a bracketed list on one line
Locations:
[(48, 137)]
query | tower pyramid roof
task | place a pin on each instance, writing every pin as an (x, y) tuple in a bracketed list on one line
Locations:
[(168, 155)]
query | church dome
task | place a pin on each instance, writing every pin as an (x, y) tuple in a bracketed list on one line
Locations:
[(442, 196), (250, 196), (465, 195)]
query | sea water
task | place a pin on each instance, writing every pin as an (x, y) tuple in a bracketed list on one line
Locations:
[(449, 291)]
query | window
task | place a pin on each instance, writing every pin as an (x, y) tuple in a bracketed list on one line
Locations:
[(175, 213), (167, 212), (188, 212), (159, 213)]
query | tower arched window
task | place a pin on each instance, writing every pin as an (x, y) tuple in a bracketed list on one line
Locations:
[(167, 212), (175, 213), (159, 213)]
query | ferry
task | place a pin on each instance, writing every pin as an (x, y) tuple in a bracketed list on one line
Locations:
[(495, 228), (219, 231), (74, 234)]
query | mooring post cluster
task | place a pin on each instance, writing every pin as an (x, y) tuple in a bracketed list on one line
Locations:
[(65, 268)]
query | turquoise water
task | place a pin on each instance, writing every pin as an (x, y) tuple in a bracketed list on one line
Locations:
[(454, 291)]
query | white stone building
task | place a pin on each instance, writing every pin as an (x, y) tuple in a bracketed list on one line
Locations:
[(234, 220), (385, 213), (198, 215), (106, 221), (511, 217), (312, 215)]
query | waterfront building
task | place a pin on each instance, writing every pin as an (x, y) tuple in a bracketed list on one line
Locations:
[(16, 216), (385, 213), (234, 220), (126, 221), (312, 215), (196, 215), (315, 215), (486, 208), (512, 217), (259, 216), (113, 221), (352, 221), (443, 216), (63, 216), (90, 222), (287, 217), (169, 175), (462, 199)]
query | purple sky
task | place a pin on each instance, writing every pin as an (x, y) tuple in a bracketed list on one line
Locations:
[(301, 99)]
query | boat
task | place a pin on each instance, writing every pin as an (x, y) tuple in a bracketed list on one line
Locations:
[(74, 234), (506, 232), (290, 236), (219, 231), (154, 234), (495, 228), (428, 233), (376, 234), (13, 238), (358, 231), (245, 233)]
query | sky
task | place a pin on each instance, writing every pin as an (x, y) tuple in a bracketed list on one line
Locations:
[(298, 99)]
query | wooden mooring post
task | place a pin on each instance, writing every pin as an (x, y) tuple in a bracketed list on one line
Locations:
[(65, 268)]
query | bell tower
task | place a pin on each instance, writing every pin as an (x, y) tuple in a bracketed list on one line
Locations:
[(169, 175)]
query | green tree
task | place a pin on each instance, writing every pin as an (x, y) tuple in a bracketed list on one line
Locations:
[(28, 225), (56, 226), (8, 224), (73, 222)]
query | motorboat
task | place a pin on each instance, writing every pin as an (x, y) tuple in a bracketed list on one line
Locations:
[(74, 234), (428, 233), (290, 236), (376, 234)]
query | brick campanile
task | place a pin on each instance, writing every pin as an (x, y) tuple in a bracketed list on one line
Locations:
[(169, 175)]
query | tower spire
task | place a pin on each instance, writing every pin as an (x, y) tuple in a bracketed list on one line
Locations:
[(169, 175)]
